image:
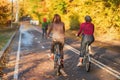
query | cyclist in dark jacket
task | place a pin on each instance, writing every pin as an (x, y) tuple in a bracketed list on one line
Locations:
[(87, 31)]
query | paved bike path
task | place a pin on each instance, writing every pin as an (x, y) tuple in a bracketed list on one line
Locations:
[(34, 63)]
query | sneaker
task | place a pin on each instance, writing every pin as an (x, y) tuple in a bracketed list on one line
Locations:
[(51, 56), (63, 73), (79, 64), (91, 52)]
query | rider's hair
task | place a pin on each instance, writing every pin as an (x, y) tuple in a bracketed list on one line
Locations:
[(88, 18), (57, 18)]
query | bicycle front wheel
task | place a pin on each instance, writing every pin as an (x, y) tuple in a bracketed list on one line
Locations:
[(87, 63)]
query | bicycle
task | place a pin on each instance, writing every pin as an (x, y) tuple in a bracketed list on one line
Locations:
[(58, 63), (87, 59)]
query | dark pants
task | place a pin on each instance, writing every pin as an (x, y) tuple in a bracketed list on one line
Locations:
[(86, 39), (61, 45), (44, 32)]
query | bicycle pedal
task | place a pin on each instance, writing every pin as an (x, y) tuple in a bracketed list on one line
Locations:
[(51, 57)]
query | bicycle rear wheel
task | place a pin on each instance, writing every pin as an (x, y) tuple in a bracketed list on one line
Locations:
[(57, 59), (58, 70)]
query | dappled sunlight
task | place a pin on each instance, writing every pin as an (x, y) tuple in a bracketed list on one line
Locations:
[(25, 40), (33, 62), (40, 66), (101, 73), (25, 27), (105, 14), (66, 56)]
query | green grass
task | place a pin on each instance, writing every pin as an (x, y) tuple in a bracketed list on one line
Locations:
[(5, 34)]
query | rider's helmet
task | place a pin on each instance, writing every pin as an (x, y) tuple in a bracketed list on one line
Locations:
[(88, 18)]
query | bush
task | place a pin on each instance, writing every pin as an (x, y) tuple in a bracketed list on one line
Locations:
[(15, 24), (74, 22)]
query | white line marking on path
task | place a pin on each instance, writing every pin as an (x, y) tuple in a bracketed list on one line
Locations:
[(108, 69), (15, 77), (99, 64)]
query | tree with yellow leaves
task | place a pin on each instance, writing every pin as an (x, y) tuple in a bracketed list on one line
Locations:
[(4, 11)]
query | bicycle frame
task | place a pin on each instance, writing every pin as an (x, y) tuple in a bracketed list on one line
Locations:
[(57, 53), (57, 59), (87, 52), (87, 59)]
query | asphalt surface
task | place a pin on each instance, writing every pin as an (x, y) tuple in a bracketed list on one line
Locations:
[(33, 63)]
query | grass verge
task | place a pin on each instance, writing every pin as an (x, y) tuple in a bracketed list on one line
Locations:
[(5, 34)]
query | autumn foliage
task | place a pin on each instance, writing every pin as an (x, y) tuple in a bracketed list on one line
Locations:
[(105, 13), (4, 11)]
